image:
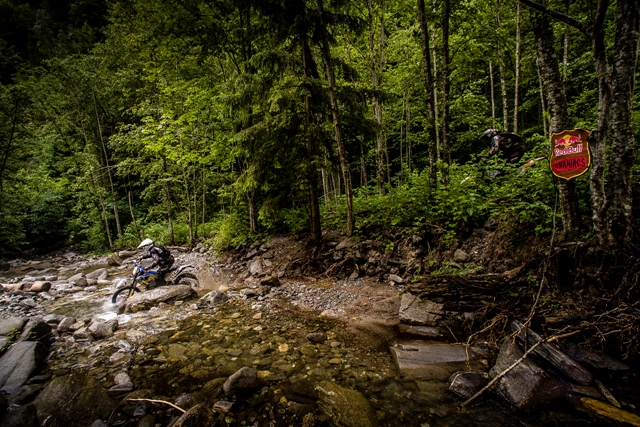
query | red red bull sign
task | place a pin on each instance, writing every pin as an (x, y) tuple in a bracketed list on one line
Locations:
[(570, 156)]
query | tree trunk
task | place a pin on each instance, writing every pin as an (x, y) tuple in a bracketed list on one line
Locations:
[(445, 91), (543, 104), (133, 218), (572, 221), (493, 96), (619, 215), (167, 194), (312, 161), (430, 121), (342, 152), (106, 161), (253, 218), (516, 100), (377, 103)]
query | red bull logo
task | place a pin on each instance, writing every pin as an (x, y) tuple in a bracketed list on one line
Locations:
[(570, 155), (568, 140)]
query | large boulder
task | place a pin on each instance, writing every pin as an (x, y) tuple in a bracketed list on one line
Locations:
[(416, 311), (212, 299), (527, 384), (73, 400), (12, 326), (19, 363), (36, 329), (166, 294), (243, 380), (431, 360), (345, 407), (100, 273)]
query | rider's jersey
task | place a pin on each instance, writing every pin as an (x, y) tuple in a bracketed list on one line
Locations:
[(508, 143)]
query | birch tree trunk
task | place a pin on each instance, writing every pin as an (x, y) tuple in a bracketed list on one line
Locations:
[(342, 152), (503, 80)]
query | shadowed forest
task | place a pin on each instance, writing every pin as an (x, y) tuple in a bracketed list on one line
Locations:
[(182, 120)]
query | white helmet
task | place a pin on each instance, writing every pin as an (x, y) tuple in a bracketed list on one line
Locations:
[(145, 243)]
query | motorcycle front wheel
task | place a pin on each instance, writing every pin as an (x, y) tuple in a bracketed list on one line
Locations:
[(120, 295)]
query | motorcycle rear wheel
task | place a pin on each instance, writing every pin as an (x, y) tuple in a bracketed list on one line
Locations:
[(187, 279)]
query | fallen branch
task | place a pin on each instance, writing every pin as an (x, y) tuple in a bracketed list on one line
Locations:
[(161, 401)]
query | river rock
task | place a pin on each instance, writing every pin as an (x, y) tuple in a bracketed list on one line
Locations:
[(396, 279), (53, 319), (102, 330), (166, 294), (5, 342), (434, 361), (21, 416), (525, 385), (73, 400), (36, 329), (345, 407), (12, 325), (212, 299), (39, 286), (317, 337), (114, 260), (19, 362), (593, 358), (467, 383), (126, 254), (66, 324), (198, 416), (100, 273), (416, 311), (123, 384), (244, 379), (75, 277)]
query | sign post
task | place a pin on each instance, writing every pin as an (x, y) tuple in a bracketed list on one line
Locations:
[(570, 156)]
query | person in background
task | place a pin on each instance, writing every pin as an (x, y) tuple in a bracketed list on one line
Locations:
[(508, 143)]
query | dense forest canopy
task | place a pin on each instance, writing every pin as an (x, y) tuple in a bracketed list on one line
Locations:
[(187, 119)]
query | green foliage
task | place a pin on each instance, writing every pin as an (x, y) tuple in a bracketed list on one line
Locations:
[(230, 232)]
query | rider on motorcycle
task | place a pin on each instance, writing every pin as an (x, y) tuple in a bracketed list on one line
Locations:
[(162, 258), (508, 143)]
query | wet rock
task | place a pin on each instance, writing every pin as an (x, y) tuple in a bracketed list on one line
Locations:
[(5, 342), (83, 334), (75, 277), (12, 325), (25, 394), (36, 330), (435, 361), (100, 273), (147, 421), (39, 286), (82, 282), (270, 281), (198, 416), (101, 330), (189, 400), (166, 294), (123, 385), (548, 351), (126, 254), (345, 407), (525, 385), (317, 337), (98, 423), (114, 260), (243, 380), (21, 416), (223, 406), (212, 299), (53, 319), (425, 332), (467, 383), (65, 324), (19, 362), (415, 311), (460, 256), (72, 400), (301, 390)]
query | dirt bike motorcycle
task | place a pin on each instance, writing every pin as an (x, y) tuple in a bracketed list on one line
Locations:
[(142, 277)]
